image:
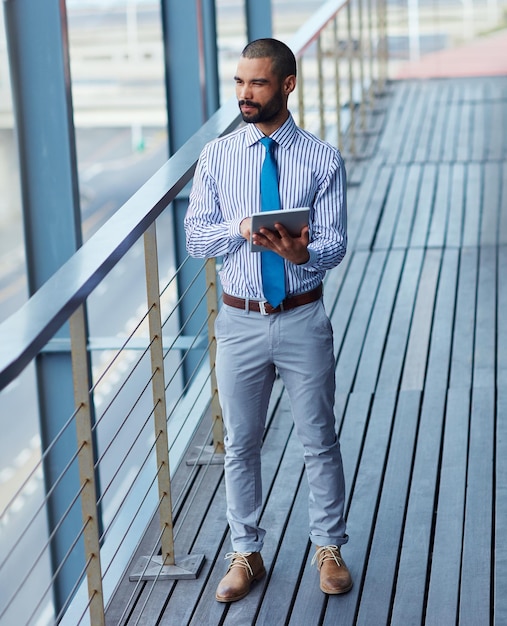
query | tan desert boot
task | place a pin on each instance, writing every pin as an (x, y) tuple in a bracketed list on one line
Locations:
[(334, 575), (244, 568)]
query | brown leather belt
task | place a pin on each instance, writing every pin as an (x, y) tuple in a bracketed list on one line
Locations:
[(266, 309)]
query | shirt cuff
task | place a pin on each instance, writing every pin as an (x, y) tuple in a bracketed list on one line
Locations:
[(234, 229), (312, 261)]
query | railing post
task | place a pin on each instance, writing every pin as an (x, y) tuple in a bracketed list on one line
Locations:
[(87, 466), (338, 104), (360, 49), (212, 304), (320, 86), (161, 567), (382, 42), (350, 48), (301, 96), (371, 90), (159, 400)]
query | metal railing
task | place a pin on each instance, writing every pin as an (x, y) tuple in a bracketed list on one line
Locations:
[(146, 412)]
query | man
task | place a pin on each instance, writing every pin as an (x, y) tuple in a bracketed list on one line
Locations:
[(257, 335)]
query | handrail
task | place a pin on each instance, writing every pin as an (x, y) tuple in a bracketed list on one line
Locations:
[(310, 31)]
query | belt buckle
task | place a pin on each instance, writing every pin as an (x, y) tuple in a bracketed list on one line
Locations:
[(262, 307)]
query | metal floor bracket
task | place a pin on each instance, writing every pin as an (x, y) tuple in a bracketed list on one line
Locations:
[(151, 568)]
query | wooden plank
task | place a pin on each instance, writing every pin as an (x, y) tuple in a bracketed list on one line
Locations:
[(406, 215), (501, 346), (424, 207), (480, 138), (464, 130), (496, 95), (386, 225), (358, 201), (463, 346), (376, 334), (392, 361), (356, 174), (500, 548), (452, 128), (414, 368), (410, 595), (287, 566), (410, 592), (495, 130), (380, 575), (403, 122), (415, 121), (475, 592), (340, 408), (352, 435), (440, 122), (343, 310), (439, 217), (433, 106), (418, 129), (437, 374), (373, 212), (373, 133), (444, 581), (456, 206), (502, 230), (360, 316), (473, 204), (490, 219), (309, 602), (400, 95), (484, 369), (333, 282), (363, 506)]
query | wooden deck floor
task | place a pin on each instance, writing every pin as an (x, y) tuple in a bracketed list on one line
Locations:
[(418, 308)]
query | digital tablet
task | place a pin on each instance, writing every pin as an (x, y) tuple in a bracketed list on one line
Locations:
[(293, 220)]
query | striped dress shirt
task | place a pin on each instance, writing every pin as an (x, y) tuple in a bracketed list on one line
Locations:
[(226, 189)]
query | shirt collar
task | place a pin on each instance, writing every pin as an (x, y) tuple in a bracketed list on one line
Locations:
[(284, 136)]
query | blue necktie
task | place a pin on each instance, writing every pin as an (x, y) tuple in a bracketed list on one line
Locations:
[(272, 264)]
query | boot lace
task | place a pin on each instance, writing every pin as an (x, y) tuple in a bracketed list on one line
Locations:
[(239, 559), (328, 553)]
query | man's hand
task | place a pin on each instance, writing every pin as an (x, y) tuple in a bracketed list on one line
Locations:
[(294, 249)]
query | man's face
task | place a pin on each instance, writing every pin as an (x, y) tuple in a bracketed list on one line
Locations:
[(260, 94)]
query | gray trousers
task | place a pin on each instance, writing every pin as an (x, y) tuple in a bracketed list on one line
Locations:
[(250, 349)]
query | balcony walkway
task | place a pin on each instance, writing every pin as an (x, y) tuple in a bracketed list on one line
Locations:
[(418, 307)]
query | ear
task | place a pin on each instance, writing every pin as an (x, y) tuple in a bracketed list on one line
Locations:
[(289, 84)]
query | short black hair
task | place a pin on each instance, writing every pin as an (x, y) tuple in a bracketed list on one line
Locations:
[(282, 57)]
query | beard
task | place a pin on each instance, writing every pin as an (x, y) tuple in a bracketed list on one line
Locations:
[(265, 113)]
